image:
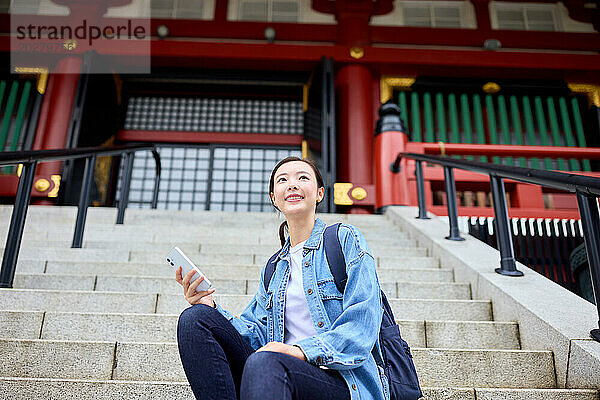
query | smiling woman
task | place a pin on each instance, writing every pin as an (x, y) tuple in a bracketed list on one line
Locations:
[(298, 183), (300, 337)]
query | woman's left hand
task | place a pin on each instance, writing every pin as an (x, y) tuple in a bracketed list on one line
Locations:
[(279, 347)]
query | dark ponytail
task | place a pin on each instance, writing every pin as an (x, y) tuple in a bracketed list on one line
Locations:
[(282, 228)]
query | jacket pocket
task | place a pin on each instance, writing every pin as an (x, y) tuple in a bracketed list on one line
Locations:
[(328, 290)]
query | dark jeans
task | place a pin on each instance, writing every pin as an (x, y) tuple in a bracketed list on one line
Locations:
[(220, 364)]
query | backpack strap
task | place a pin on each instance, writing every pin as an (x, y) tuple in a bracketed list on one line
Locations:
[(335, 256), (270, 269)]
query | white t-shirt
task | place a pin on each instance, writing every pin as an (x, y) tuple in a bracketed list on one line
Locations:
[(298, 324)]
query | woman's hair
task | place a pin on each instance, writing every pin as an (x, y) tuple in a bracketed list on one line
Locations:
[(320, 183)]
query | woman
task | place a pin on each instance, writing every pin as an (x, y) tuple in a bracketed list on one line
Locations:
[(301, 338)]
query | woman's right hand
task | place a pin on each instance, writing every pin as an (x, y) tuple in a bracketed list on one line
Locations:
[(189, 290)]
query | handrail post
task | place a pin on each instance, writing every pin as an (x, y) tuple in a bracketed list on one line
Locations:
[(17, 224), (420, 190), (452, 207), (508, 265), (156, 178), (84, 200), (124, 198), (590, 219)]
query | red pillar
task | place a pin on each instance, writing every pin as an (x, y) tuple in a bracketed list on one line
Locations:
[(390, 139), (353, 86), (55, 115)]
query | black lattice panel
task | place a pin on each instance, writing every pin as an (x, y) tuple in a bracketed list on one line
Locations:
[(239, 177), (214, 115)]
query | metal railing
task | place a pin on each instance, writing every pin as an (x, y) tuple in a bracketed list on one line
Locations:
[(586, 188), (29, 160)]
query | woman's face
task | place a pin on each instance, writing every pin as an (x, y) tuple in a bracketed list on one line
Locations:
[(295, 189)]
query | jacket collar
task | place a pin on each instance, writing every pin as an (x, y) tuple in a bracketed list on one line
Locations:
[(313, 242)]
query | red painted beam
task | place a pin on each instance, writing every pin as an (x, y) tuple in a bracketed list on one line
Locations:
[(327, 33), (417, 61), (571, 41), (208, 137), (198, 53), (579, 153)]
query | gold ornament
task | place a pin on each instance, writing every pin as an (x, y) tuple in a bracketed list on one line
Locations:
[(359, 193), (41, 185), (357, 52), (491, 87)]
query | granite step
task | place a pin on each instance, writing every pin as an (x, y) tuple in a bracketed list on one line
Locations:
[(401, 247), (247, 272), (188, 229), (128, 327), (452, 310), (160, 362), (76, 389), (148, 303), (65, 238), (168, 285)]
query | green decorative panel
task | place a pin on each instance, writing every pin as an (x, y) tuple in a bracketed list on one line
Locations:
[(15, 100), (502, 118)]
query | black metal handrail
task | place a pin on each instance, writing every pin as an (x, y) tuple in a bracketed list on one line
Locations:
[(29, 160), (587, 190)]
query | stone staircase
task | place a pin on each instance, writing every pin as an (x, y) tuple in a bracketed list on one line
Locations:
[(100, 322)]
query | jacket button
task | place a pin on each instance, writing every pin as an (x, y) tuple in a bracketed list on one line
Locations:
[(309, 291), (353, 386), (306, 264), (320, 324), (319, 360)]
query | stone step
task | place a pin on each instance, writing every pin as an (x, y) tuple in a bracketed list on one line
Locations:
[(200, 259), (175, 217), (199, 215), (86, 255), (437, 393), (445, 310), (247, 272), (142, 236), (148, 303), (122, 327), (62, 300), (402, 247), (265, 251), (76, 389), (188, 228), (160, 362), (69, 254), (168, 285), (407, 256), (485, 368)]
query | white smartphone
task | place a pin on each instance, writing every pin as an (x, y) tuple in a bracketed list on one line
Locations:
[(176, 258)]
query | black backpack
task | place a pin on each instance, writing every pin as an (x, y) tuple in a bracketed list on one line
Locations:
[(399, 367)]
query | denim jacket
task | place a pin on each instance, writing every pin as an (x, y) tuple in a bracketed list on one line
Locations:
[(347, 324)]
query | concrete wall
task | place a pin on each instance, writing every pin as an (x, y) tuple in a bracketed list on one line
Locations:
[(549, 316)]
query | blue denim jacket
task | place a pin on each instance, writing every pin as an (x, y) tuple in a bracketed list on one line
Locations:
[(347, 324)]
